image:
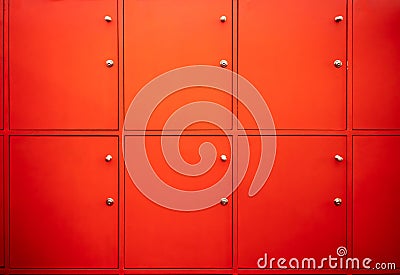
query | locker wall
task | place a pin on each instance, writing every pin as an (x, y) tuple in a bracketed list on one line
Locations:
[(70, 70)]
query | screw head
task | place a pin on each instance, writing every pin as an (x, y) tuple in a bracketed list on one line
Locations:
[(109, 201), (223, 63), (337, 201), (107, 18), (223, 18), (339, 158), (224, 201), (109, 63), (338, 18), (108, 158), (338, 63)]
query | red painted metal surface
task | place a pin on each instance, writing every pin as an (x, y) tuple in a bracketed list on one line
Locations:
[(56, 181), (156, 237), (376, 64), (156, 41), (2, 244), (1, 66), (376, 202), (58, 73), (294, 215), (58, 212), (287, 50)]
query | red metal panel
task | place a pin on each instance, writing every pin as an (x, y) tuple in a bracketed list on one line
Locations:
[(287, 49), (376, 198), (294, 215), (158, 38), (376, 53), (58, 73), (58, 212), (2, 237), (157, 237), (1, 66)]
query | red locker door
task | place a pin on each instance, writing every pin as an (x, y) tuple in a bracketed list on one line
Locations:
[(162, 35), (2, 237), (58, 212), (294, 215), (376, 198), (58, 73), (158, 237), (376, 57), (287, 49)]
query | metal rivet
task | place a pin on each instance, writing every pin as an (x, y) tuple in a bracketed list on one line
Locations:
[(337, 201), (338, 63), (109, 63), (108, 158), (338, 18), (109, 201), (223, 63), (339, 158), (224, 158), (222, 18), (108, 18), (224, 201)]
